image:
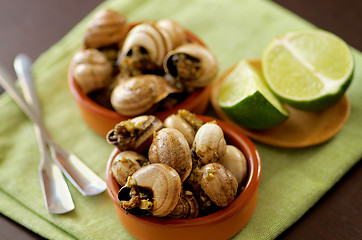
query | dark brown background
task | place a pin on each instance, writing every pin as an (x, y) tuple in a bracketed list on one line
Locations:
[(33, 26)]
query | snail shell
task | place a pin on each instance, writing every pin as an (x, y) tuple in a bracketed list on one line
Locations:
[(191, 118), (165, 184), (172, 32), (218, 183), (192, 64), (125, 164), (234, 160), (92, 70), (209, 144), (136, 95), (134, 134), (149, 42), (106, 28), (187, 207), (184, 121), (145, 35), (169, 146), (176, 122)]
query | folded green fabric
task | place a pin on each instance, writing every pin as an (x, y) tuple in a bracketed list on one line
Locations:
[(292, 179)]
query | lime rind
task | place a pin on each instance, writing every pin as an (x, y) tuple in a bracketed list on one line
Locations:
[(247, 99), (255, 112), (244, 81), (321, 103), (238, 84), (326, 66)]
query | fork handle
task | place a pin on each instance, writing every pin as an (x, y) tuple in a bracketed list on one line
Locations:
[(56, 193), (84, 179), (52, 180), (9, 86), (22, 67)]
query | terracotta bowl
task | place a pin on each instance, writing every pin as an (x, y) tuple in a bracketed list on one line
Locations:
[(101, 119), (222, 224)]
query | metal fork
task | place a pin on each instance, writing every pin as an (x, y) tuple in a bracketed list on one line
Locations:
[(87, 182), (84, 179), (55, 190)]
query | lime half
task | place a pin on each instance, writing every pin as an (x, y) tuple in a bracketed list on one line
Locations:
[(309, 69), (246, 99)]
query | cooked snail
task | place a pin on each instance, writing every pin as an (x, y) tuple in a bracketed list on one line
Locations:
[(106, 28), (159, 48), (134, 134), (125, 164), (91, 70), (192, 64), (219, 184), (176, 122), (190, 118), (186, 122), (187, 207), (175, 181), (137, 95), (172, 32), (234, 160), (155, 188), (147, 44), (209, 144), (169, 146)]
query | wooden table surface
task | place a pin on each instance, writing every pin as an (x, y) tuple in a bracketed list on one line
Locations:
[(33, 26)]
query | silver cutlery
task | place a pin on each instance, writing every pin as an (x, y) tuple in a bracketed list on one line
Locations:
[(86, 181), (55, 190), (53, 156)]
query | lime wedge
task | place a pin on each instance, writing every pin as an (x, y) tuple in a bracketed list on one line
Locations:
[(245, 98), (309, 69)]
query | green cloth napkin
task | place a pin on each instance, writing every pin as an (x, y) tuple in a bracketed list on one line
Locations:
[(292, 179)]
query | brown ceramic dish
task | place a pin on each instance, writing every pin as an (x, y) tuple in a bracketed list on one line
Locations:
[(222, 224), (301, 129), (101, 119)]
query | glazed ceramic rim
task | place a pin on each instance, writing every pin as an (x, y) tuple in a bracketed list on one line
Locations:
[(233, 136), (87, 103)]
